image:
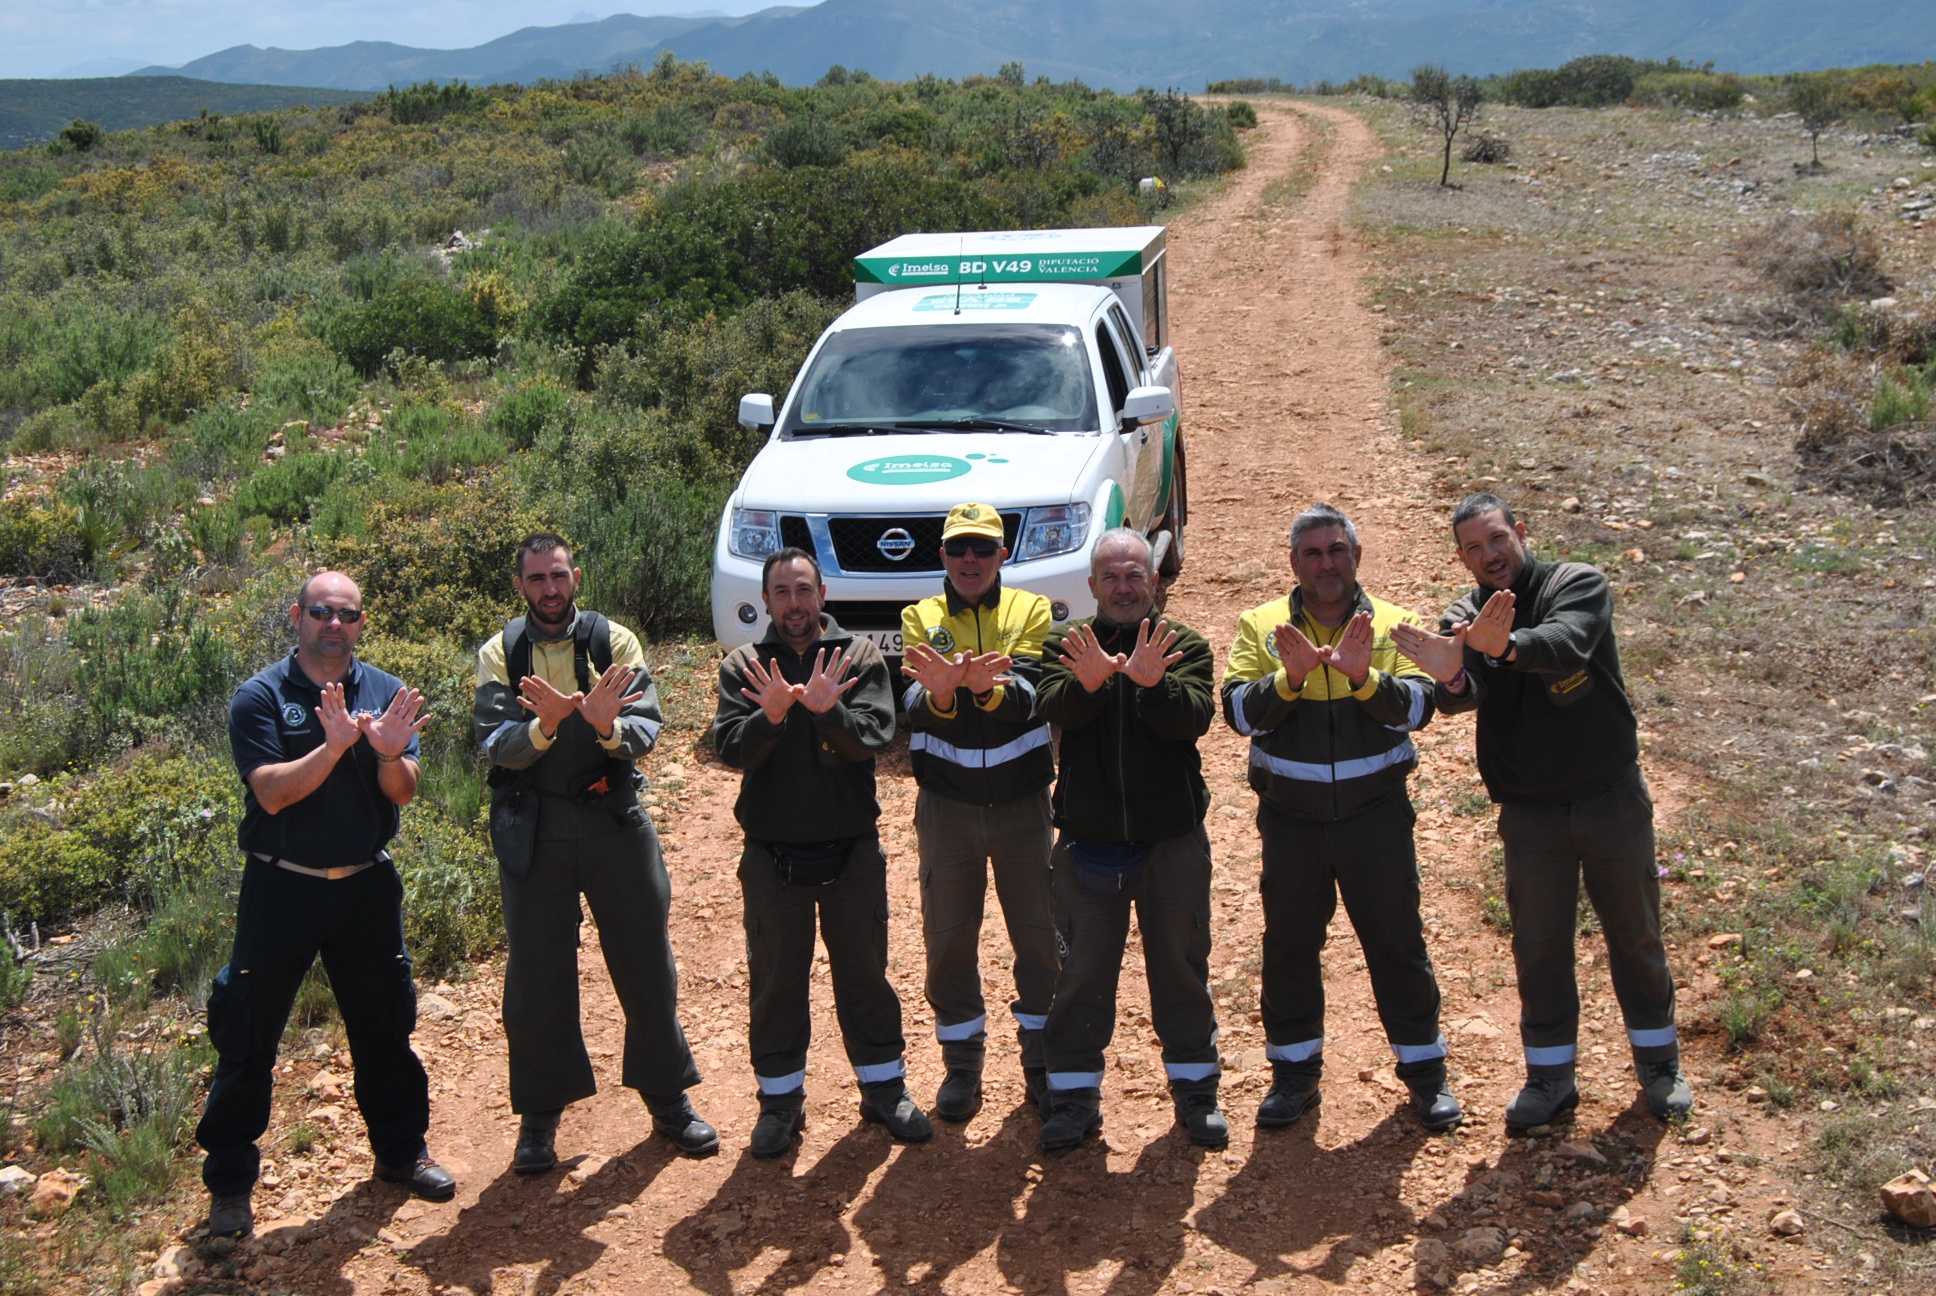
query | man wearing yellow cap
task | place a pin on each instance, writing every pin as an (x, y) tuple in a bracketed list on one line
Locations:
[(984, 764)]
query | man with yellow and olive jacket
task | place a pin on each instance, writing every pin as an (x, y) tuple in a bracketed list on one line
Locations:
[(984, 763), (1329, 706)]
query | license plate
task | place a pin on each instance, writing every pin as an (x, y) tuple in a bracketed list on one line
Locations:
[(888, 641)]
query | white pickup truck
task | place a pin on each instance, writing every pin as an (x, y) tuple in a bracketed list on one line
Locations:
[(1029, 370)]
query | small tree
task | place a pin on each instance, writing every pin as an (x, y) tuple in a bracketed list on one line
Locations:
[(1819, 101), (1445, 105)]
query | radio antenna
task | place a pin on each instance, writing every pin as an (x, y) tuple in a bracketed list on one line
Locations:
[(961, 250)]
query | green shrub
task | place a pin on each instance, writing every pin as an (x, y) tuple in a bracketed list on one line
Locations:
[(424, 443), (287, 489), (669, 130), (147, 664), (602, 163), (44, 539), (431, 319), (216, 443), (40, 718), (81, 136), (1242, 115), (1699, 91), (309, 385), (217, 531), (437, 559), (647, 553), (426, 101), (48, 872), (451, 909), (526, 410), (16, 979), (804, 141)]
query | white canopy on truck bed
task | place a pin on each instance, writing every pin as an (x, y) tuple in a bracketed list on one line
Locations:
[(1126, 260)]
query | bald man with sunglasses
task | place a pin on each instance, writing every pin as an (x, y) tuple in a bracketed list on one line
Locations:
[(983, 760), (327, 749)]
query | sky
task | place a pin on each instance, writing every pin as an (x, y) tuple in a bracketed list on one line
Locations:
[(51, 38)]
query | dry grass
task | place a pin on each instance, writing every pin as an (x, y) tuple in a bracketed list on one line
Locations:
[(1822, 257)]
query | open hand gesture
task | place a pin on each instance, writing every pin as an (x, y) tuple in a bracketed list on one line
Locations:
[(938, 674), (1440, 656), (340, 728), (1350, 656), (547, 703), (611, 695), (1491, 632), (1152, 655), (391, 732), (1082, 652), (1299, 655), (771, 690), (823, 688), (981, 674)]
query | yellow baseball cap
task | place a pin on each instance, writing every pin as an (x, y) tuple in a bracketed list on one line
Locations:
[(972, 519)]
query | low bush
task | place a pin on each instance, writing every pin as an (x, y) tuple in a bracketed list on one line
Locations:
[(1698, 91), (527, 410), (1241, 115), (804, 141), (44, 539), (310, 385), (647, 553), (1819, 257), (425, 443), (287, 489), (46, 871), (451, 908), (424, 318)]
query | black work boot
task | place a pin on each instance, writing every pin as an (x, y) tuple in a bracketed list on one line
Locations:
[(781, 1117), (230, 1216), (537, 1135), (1549, 1094), (1074, 1114), (888, 1102), (1196, 1111), (675, 1118), (1294, 1091), (1669, 1096), (1432, 1096), (960, 1095), (1035, 1087)]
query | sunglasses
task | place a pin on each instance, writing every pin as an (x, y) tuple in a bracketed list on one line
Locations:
[(348, 616), (982, 548)]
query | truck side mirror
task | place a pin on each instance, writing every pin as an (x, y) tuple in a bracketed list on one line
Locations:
[(756, 410), (1144, 405)]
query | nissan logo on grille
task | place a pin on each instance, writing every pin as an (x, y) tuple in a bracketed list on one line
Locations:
[(895, 544)]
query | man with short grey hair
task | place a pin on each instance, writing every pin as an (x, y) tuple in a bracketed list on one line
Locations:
[(1133, 695), (1330, 707)]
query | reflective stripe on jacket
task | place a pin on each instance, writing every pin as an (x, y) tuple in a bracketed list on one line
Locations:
[(994, 749), (1322, 750)]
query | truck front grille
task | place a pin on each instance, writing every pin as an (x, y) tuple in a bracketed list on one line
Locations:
[(857, 541), (867, 614)]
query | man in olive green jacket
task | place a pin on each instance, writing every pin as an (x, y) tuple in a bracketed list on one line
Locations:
[(1132, 695)]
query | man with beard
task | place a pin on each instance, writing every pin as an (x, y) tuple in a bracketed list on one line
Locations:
[(804, 712), (1132, 696), (327, 749), (564, 708), (982, 757), (1329, 707), (1532, 649)]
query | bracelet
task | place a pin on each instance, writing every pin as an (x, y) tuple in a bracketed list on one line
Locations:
[(387, 760), (1454, 684)]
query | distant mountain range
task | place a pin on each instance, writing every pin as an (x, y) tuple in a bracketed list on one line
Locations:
[(1127, 43)]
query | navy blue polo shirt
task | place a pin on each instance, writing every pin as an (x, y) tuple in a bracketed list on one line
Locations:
[(273, 719)]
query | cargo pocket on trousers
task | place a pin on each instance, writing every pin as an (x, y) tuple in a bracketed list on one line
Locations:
[(230, 1015)]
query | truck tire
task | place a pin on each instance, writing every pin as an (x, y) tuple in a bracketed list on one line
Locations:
[(1171, 562)]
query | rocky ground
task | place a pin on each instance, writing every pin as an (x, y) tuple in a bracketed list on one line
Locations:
[(1307, 296)]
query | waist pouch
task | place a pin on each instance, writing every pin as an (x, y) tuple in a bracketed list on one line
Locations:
[(811, 863), (1108, 868), (599, 782)]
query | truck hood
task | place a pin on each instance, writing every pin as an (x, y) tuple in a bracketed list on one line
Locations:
[(918, 472)]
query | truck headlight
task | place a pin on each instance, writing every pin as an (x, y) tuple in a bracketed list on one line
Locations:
[(753, 533), (1061, 529)]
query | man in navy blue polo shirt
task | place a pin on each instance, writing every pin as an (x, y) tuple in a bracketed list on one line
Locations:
[(327, 748)]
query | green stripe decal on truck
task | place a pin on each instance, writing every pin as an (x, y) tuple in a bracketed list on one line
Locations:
[(1112, 511), (1068, 266)]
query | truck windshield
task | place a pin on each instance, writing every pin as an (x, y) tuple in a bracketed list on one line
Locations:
[(1032, 376)]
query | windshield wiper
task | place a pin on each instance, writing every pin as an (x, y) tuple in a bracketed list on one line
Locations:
[(978, 425), (856, 429)]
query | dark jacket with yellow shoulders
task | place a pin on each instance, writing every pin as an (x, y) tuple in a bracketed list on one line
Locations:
[(981, 750)]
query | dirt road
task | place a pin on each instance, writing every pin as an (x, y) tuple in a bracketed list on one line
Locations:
[(1284, 403)]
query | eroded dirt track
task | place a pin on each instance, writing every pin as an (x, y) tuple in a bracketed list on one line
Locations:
[(1284, 403)]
